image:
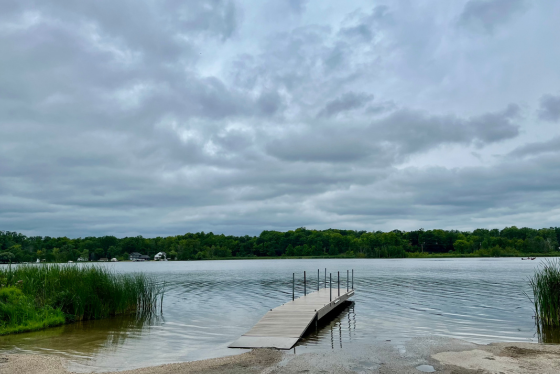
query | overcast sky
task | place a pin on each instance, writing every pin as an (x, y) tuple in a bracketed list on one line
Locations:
[(161, 117)]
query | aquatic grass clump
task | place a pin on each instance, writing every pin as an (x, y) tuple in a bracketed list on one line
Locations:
[(546, 293), (19, 313), (84, 292)]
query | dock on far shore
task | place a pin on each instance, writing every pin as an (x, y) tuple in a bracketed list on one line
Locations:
[(283, 326)]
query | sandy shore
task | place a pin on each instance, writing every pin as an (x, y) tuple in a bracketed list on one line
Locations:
[(449, 356)]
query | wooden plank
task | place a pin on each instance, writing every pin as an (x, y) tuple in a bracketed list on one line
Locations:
[(284, 325), (264, 342)]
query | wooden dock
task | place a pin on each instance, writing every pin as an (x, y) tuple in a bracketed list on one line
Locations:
[(283, 326)]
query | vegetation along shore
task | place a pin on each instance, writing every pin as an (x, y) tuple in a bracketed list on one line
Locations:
[(510, 241), (545, 285), (36, 297)]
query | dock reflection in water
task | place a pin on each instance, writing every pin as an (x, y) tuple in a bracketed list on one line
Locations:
[(332, 331)]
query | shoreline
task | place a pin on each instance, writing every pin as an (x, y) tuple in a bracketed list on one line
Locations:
[(416, 257), (443, 355)]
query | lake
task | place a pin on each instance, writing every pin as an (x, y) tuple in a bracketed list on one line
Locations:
[(209, 304)]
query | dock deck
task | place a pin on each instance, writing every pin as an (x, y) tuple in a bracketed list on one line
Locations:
[(283, 326)]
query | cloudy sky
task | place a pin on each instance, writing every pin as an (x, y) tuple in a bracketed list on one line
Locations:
[(161, 117)]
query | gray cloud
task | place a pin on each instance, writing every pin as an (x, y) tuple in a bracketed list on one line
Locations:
[(537, 148), (393, 138), (270, 102), (486, 15), (471, 194), (169, 116), (344, 103), (550, 108), (297, 5)]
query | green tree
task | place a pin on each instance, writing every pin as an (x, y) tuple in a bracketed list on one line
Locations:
[(7, 257), (462, 246), (290, 250)]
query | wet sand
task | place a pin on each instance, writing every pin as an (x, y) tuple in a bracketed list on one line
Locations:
[(443, 355)]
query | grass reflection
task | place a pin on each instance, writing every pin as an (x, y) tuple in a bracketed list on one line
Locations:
[(83, 339), (548, 334)]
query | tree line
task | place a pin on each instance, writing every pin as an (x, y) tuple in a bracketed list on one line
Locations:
[(511, 241)]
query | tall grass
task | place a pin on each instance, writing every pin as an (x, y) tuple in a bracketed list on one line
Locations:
[(84, 292), (19, 313), (546, 293)]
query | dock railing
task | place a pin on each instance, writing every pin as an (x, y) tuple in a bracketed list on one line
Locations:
[(349, 282)]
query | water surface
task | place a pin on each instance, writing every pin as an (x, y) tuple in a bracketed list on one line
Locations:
[(209, 304)]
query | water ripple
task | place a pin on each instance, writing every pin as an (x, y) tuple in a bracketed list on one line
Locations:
[(208, 304)]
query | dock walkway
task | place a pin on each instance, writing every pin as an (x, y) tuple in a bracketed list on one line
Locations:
[(283, 326)]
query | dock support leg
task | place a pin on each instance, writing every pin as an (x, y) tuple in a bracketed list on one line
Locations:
[(339, 284), (318, 281), (293, 286), (347, 279), (304, 284), (352, 279), (325, 277), (330, 283)]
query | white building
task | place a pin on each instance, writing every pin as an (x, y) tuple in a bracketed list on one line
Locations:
[(161, 256)]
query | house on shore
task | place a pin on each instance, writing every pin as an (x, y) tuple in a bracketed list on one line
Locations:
[(135, 256), (161, 256)]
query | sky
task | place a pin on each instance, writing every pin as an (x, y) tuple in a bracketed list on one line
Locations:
[(162, 117)]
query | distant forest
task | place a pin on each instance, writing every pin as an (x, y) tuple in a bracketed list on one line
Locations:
[(511, 241)]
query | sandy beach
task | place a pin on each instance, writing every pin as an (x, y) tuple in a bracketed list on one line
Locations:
[(442, 355)]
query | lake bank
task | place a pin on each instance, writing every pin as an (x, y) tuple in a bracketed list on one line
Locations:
[(444, 355), (407, 255)]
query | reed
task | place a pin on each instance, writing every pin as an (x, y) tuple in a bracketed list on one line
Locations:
[(18, 313), (84, 292), (546, 293)]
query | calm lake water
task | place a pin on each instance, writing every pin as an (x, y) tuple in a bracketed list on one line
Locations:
[(209, 304)]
